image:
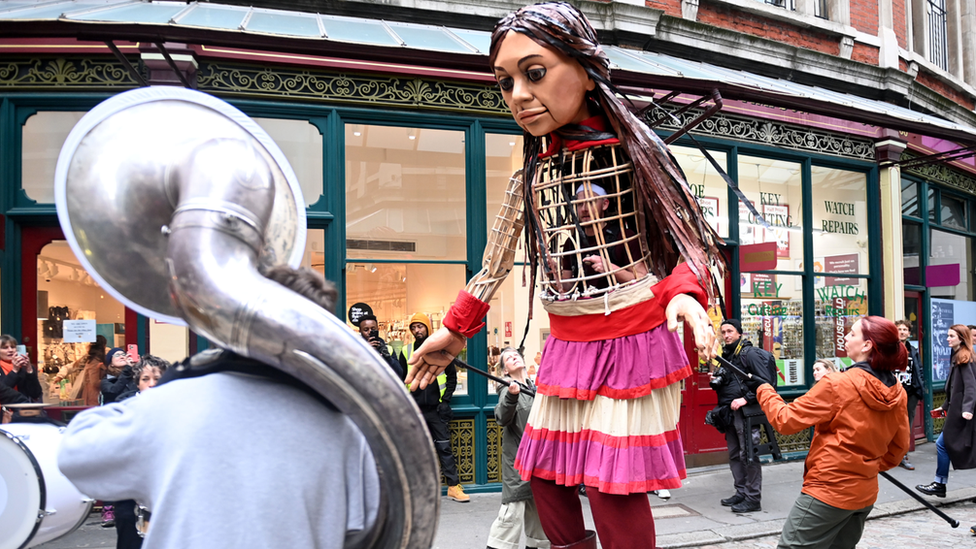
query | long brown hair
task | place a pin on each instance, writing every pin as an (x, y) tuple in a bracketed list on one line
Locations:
[(671, 214), (964, 355)]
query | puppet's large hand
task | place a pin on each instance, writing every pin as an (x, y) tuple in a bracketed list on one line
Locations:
[(433, 357), (686, 308)]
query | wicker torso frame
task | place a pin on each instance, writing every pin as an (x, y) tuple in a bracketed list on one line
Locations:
[(565, 218)]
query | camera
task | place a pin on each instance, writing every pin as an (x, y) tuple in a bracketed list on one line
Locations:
[(719, 378)]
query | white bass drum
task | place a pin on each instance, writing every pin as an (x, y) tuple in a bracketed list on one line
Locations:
[(37, 503)]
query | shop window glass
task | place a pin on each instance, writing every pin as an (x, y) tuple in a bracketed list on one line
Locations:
[(954, 212), (840, 241), (948, 274), (168, 341), (708, 186), (911, 236), (43, 135), (405, 193), (775, 188), (503, 157), (67, 292), (301, 143), (931, 205), (772, 309), (396, 291), (909, 197), (840, 302)]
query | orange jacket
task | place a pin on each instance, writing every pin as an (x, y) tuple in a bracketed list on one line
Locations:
[(861, 429)]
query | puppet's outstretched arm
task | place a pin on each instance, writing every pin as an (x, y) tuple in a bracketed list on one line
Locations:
[(499, 255)]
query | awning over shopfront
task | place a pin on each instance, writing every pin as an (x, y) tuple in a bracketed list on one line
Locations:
[(210, 23)]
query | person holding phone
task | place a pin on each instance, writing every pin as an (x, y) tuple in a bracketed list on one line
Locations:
[(955, 443), (16, 370), (369, 329)]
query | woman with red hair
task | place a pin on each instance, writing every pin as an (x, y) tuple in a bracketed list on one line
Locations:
[(861, 428), (955, 442)]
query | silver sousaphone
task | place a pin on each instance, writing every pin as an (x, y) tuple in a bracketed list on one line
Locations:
[(175, 201)]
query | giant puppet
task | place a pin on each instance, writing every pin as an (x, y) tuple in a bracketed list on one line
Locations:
[(623, 253)]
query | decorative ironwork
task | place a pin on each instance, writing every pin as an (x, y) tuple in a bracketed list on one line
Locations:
[(350, 88), (494, 447), (777, 134), (938, 399), (63, 72), (463, 446), (941, 172), (799, 442)]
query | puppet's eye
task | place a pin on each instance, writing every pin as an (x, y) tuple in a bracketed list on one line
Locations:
[(535, 74), (505, 84)]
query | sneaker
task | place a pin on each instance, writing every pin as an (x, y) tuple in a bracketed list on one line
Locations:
[(457, 494), (906, 464), (108, 524), (663, 494), (734, 500), (934, 489), (746, 507)]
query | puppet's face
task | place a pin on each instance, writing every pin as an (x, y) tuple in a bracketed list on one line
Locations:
[(544, 89)]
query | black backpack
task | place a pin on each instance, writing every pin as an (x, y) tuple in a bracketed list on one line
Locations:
[(772, 372)]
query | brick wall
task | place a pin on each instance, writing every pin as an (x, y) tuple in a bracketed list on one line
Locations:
[(900, 21), (865, 54), (944, 90), (864, 16), (670, 7), (727, 18)]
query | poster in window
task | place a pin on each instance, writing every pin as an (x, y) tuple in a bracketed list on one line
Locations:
[(749, 230), (709, 207), (778, 215)]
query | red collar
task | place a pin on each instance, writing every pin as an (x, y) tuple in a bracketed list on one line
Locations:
[(598, 123)]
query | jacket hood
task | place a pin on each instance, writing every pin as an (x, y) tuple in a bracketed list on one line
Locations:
[(875, 394)]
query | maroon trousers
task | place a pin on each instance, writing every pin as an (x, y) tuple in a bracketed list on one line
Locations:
[(622, 522)]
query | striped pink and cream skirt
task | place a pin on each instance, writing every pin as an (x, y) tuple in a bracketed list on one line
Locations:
[(606, 414)]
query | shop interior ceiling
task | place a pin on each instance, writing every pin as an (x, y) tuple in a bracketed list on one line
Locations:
[(428, 45)]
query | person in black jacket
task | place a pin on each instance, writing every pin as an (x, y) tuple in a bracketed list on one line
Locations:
[(16, 370), (746, 470), (911, 379), (369, 330)]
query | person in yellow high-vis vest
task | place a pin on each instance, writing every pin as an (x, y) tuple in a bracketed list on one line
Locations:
[(435, 405)]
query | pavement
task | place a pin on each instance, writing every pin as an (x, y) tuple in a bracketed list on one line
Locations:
[(693, 517)]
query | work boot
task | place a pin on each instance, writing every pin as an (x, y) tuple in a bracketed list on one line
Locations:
[(589, 542), (934, 489), (735, 499), (746, 507), (906, 464), (972, 529), (457, 494)]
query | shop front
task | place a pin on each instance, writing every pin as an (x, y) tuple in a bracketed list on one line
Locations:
[(403, 165)]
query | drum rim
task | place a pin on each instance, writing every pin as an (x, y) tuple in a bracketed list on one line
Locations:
[(42, 484)]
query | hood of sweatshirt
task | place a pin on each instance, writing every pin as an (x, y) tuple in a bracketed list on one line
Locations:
[(876, 394)]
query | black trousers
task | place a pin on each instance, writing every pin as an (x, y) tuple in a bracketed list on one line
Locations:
[(125, 525), (746, 472), (437, 425)]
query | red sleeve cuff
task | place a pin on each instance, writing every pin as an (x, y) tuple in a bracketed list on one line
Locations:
[(466, 315), (680, 281)]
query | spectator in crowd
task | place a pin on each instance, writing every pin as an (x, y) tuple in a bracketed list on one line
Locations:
[(861, 428), (16, 370), (732, 392), (119, 378), (179, 446), (912, 378), (823, 367), (435, 405), (955, 443), (369, 330), (518, 509)]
